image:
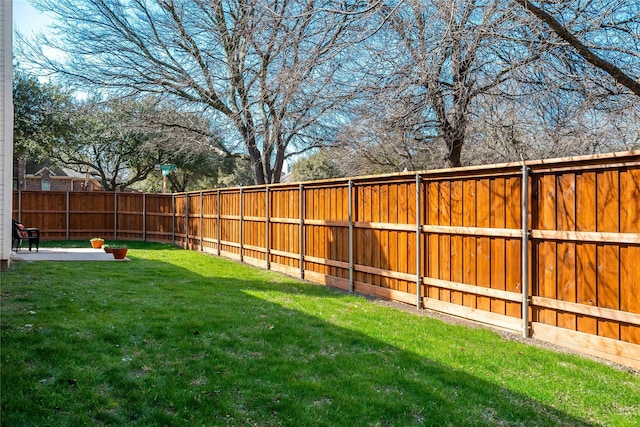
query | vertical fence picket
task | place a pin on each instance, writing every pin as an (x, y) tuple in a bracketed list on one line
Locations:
[(241, 233), (525, 251), (201, 222), (19, 206), (115, 215), (173, 219), (418, 244), (351, 247), (144, 217), (301, 231), (66, 227), (186, 221), (267, 231), (218, 232)]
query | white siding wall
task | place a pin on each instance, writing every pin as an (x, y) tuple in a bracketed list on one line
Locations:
[(6, 130)]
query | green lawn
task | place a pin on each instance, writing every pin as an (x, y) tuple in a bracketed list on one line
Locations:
[(180, 338)]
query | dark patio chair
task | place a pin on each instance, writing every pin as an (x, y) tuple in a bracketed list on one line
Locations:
[(22, 233)]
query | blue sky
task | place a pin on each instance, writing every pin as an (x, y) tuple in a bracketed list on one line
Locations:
[(27, 19)]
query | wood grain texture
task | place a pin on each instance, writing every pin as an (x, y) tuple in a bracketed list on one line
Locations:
[(586, 252), (483, 244), (498, 256), (566, 252), (457, 256), (630, 254), (608, 256), (469, 244), (547, 251), (433, 240), (513, 247)]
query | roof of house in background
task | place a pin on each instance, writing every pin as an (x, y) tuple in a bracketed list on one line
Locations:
[(36, 168)]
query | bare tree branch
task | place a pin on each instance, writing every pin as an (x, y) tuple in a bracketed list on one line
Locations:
[(563, 32)]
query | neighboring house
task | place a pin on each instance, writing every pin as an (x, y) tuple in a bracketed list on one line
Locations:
[(286, 177), (6, 131), (29, 175)]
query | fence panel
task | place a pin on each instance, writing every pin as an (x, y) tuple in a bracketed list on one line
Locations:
[(284, 229), (210, 221), (473, 247), (130, 221), (159, 217), (91, 215), (44, 210), (254, 244), (316, 233), (230, 223), (193, 220), (384, 237), (180, 202), (326, 234), (585, 237)]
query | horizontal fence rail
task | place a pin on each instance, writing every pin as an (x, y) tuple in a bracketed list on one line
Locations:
[(546, 248)]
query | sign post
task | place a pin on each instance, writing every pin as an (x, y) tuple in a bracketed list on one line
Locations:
[(166, 170)]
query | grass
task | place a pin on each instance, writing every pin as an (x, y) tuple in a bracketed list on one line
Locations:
[(180, 338)]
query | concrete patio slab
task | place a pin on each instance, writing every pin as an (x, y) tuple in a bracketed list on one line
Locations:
[(64, 254)]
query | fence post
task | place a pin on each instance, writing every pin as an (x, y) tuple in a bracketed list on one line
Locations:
[(525, 251), (186, 221), (301, 213), (241, 235), (19, 205), (173, 218), (218, 233), (267, 234), (67, 217), (418, 245), (201, 222), (115, 214), (350, 215), (144, 217)]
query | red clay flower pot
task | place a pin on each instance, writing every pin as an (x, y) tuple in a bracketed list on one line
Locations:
[(119, 253)]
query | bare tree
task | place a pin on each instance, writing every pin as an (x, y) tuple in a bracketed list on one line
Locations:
[(551, 123), (563, 104), (489, 74), (269, 74), (274, 78), (385, 140), (443, 55), (604, 34)]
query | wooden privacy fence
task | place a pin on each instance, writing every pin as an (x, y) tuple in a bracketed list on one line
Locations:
[(451, 240)]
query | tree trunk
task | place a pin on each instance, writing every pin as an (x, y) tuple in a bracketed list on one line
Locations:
[(277, 169), (254, 153), (454, 147)]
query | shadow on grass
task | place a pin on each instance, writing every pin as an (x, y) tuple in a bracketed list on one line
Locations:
[(171, 346)]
